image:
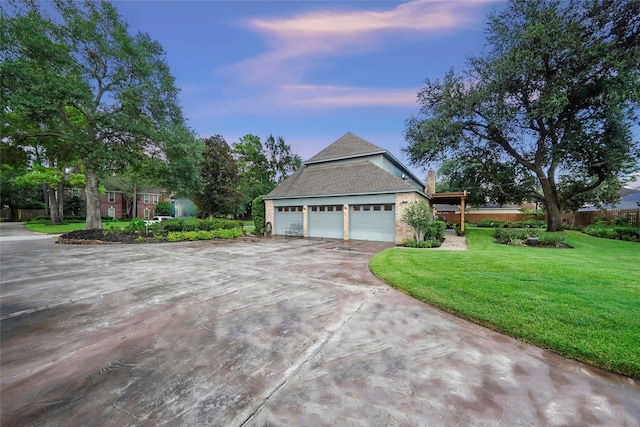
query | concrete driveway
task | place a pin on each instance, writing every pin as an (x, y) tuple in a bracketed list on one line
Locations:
[(263, 332)]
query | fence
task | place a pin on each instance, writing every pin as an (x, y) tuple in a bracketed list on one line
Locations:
[(582, 219), (22, 214), (473, 218), (572, 219)]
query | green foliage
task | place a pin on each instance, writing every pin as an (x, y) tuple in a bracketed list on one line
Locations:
[(545, 113), (137, 224), (165, 208), (617, 232), (258, 214), (262, 168), (551, 239), (78, 84), (435, 231), (192, 224), (220, 179), (419, 215), (177, 236), (425, 244)]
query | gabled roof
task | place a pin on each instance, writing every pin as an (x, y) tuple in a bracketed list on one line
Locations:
[(347, 146), (341, 179)]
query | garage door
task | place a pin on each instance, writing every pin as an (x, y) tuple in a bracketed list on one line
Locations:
[(285, 216), (326, 221), (372, 222)]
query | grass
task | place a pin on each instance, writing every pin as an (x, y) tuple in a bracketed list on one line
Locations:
[(73, 226), (582, 303)]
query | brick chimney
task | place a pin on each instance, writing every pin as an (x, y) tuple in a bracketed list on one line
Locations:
[(431, 182)]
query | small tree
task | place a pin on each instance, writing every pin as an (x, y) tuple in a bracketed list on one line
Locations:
[(258, 214), (419, 216), (165, 208)]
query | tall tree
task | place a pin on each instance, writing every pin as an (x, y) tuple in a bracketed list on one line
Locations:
[(220, 178), (547, 113), (262, 167), (77, 75)]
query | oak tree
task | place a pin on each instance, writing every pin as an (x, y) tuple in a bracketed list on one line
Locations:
[(546, 114)]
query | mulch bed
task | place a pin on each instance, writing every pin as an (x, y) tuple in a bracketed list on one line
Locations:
[(100, 237), (539, 245)]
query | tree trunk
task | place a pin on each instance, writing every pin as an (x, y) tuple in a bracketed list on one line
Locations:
[(53, 206), (134, 207), (554, 213), (60, 196), (94, 221)]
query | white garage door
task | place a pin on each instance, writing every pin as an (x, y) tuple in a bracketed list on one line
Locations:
[(372, 222), (326, 221), (285, 216)]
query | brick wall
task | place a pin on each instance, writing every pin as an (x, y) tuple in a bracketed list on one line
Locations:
[(403, 230)]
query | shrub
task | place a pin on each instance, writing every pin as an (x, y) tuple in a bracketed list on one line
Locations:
[(621, 220), (165, 208), (137, 224), (419, 215), (204, 235), (552, 239), (423, 244), (258, 214), (435, 231)]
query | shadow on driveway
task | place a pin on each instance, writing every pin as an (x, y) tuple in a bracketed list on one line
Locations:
[(264, 332)]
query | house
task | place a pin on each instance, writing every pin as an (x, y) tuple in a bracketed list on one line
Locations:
[(116, 205), (351, 190)]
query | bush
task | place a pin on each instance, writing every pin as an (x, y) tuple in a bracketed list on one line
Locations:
[(258, 214), (551, 239), (621, 220), (165, 208), (435, 231), (137, 224), (204, 235), (423, 244)]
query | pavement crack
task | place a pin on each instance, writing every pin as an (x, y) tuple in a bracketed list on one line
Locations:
[(310, 354)]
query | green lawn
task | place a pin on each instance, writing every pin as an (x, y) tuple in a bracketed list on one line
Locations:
[(583, 303), (65, 228)]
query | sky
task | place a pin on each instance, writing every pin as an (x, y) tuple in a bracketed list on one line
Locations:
[(309, 71)]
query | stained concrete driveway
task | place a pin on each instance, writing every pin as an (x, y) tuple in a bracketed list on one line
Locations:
[(263, 332)]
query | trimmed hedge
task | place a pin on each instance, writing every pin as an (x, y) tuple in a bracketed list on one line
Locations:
[(193, 224), (178, 236)]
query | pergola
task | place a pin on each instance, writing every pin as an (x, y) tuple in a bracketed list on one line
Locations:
[(452, 199)]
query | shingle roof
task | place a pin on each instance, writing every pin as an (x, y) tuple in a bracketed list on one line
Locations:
[(332, 180), (347, 146)]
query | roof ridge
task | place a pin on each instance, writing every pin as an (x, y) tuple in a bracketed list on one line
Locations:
[(348, 145)]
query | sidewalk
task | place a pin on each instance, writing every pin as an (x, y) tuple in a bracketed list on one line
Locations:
[(453, 242)]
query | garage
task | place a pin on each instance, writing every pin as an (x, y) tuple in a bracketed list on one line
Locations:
[(373, 222), (326, 221), (285, 216)]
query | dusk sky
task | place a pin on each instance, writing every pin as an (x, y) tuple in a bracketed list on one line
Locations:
[(309, 71)]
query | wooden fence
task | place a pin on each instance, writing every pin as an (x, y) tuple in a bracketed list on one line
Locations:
[(572, 219), (22, 214), (584, 218)]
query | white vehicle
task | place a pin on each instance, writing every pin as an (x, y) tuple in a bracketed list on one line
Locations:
[(162, 218)]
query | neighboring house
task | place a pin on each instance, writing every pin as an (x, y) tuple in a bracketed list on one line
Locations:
[(351, 190), (629, 199), (113, 204)]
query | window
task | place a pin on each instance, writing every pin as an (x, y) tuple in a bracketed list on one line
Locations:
[(322, 208), (146, 213), (314, 208), (145, 199), (111, 212), (329, 208), (366, 208), (377, 207), (388, 207), (279, 208), (155, 199), (356, 208), (112, 197)]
